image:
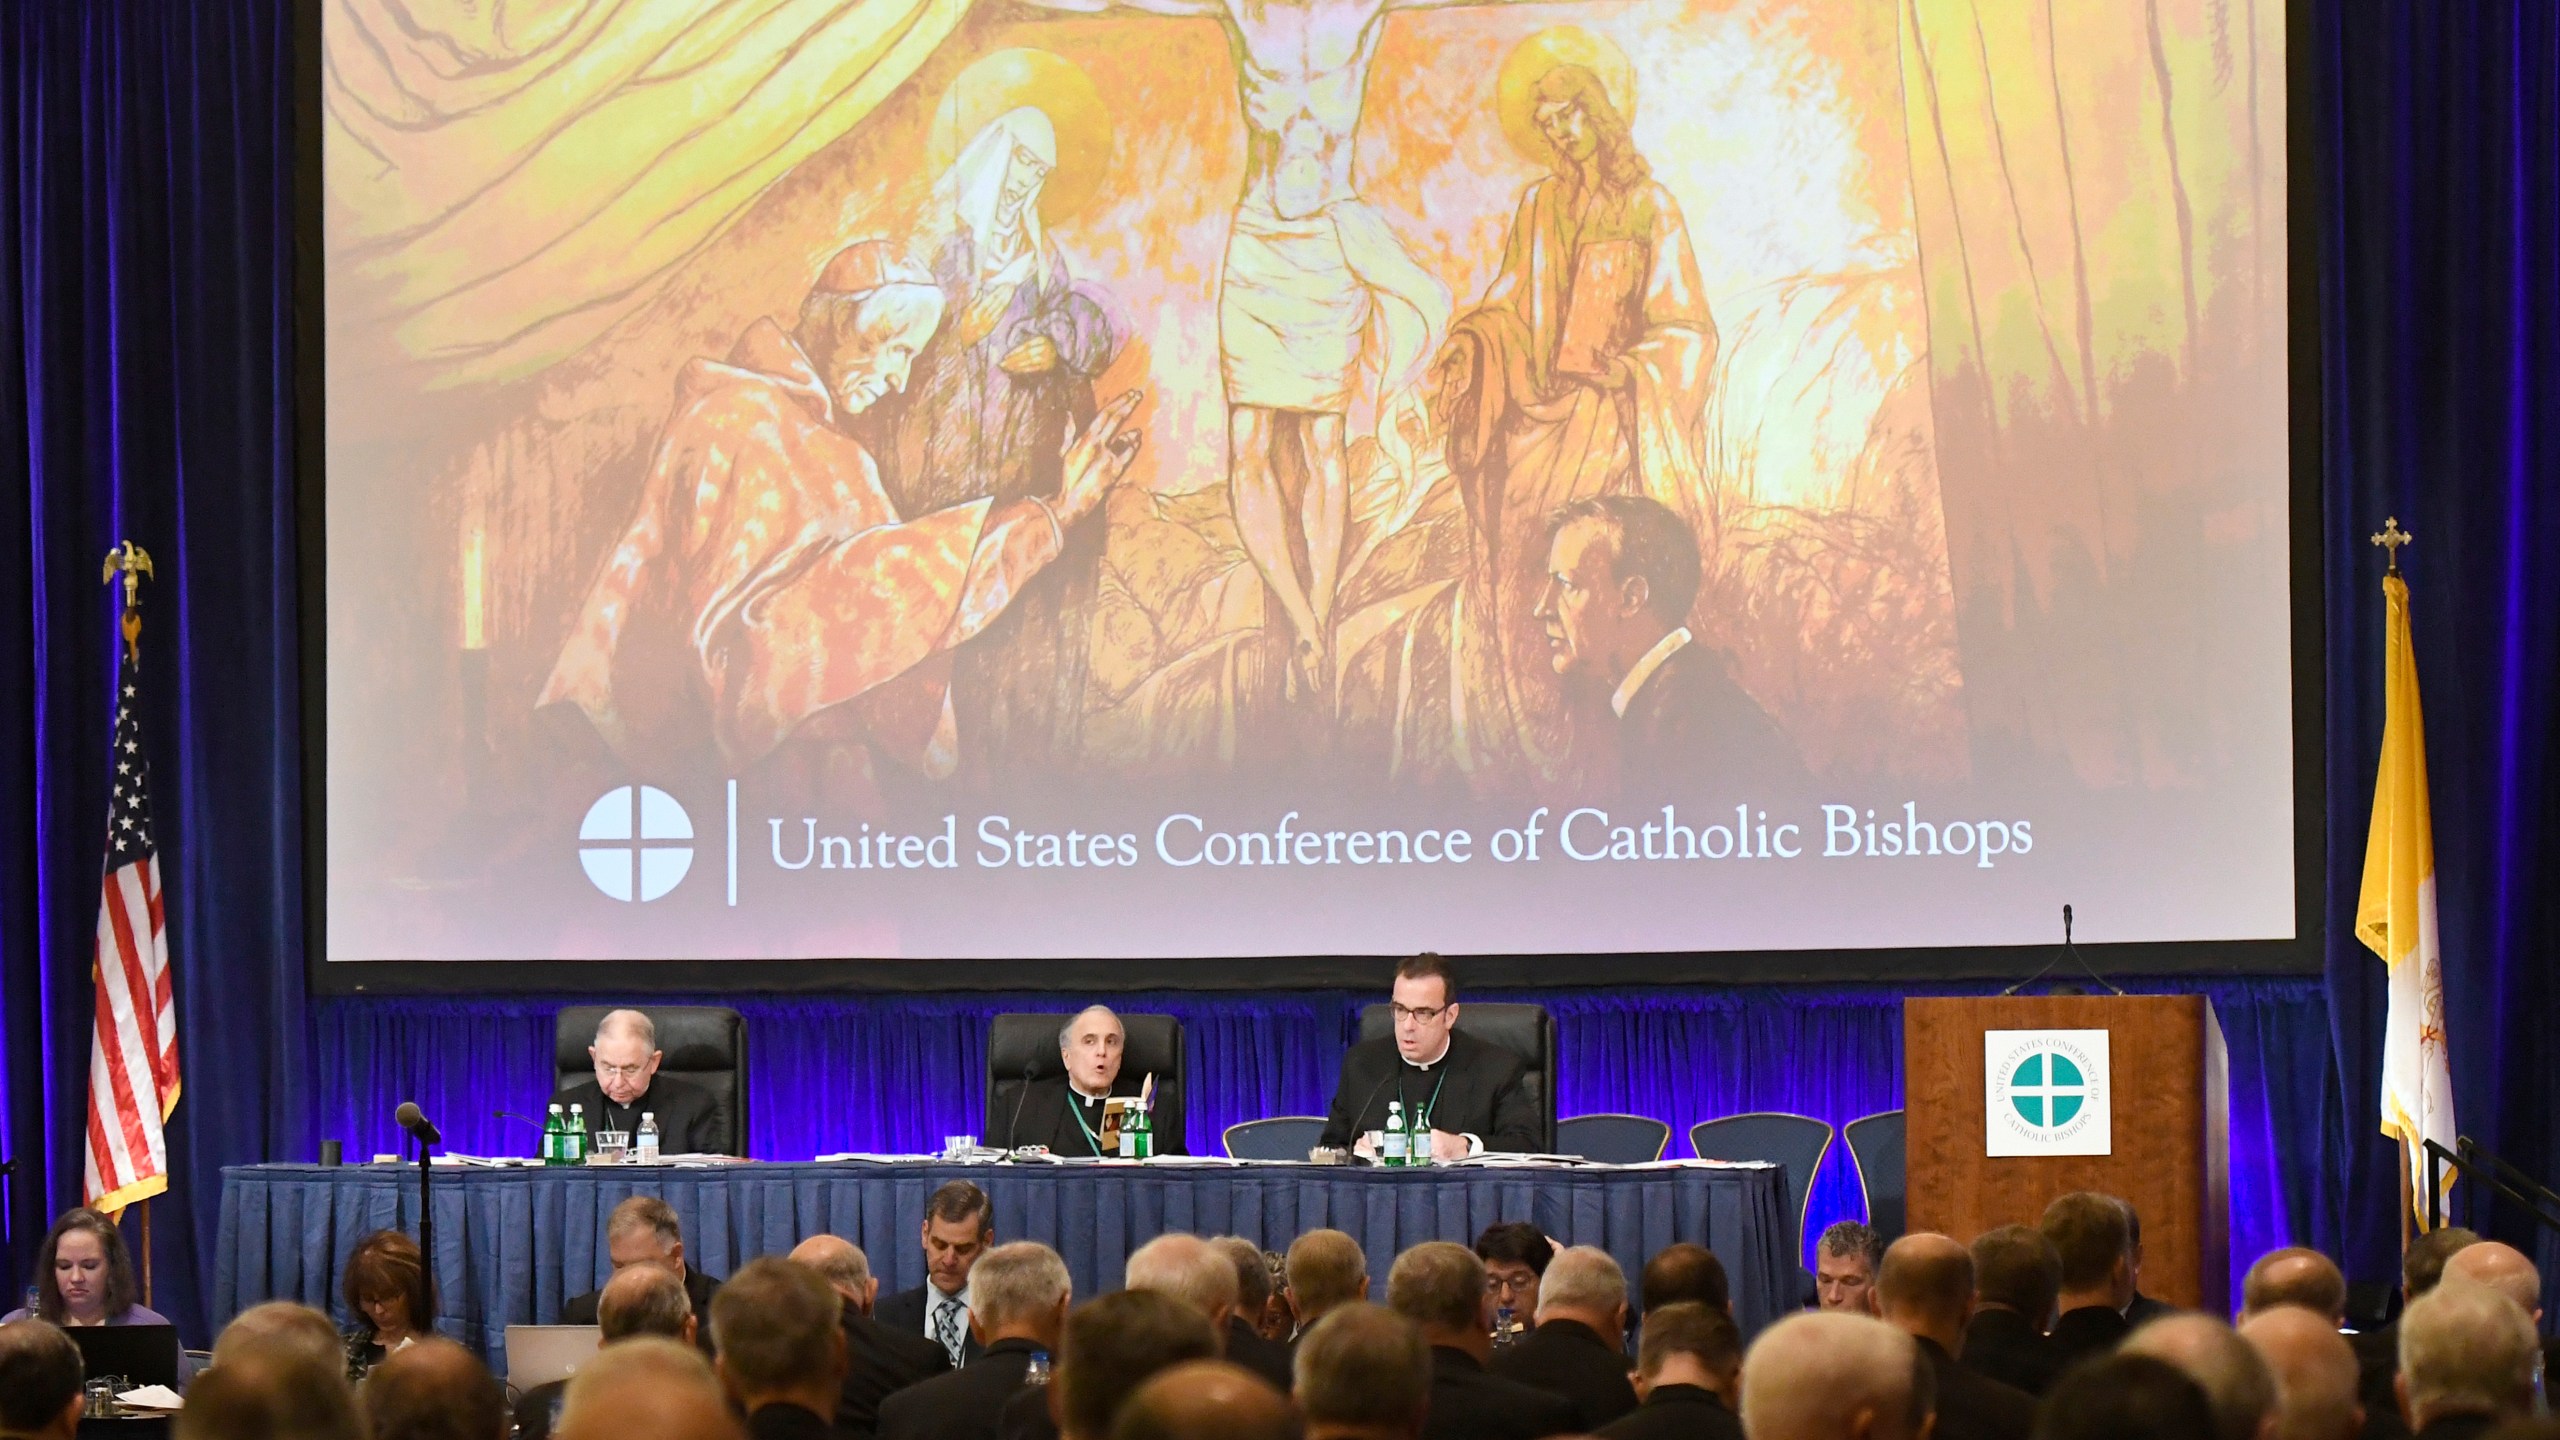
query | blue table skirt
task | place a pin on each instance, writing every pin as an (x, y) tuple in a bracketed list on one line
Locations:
[(511, 1245)]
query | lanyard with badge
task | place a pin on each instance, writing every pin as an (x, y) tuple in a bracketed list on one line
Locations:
[(1075, 1107), (1422, 1117)]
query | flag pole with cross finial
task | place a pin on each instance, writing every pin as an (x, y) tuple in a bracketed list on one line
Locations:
[(2391, 537)]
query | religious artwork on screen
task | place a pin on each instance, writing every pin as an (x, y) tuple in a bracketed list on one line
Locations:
[(1019, 478)]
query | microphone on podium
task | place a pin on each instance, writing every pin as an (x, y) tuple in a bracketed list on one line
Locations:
[(415, 1121), (1013, 1127), (2076, 958)]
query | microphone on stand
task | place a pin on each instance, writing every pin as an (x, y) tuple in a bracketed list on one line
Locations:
[(1013, 1127), (415, 1121), (511, 1115)]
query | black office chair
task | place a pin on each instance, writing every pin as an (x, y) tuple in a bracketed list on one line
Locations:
[(1875, 1142), (1023, 1048), (1275, 1137), (704, 1045), (1527, 1031)]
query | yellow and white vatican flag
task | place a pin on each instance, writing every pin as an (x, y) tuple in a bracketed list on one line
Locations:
[(2396, 913)]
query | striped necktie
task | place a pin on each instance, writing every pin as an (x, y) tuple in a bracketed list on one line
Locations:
[(946, 1324)]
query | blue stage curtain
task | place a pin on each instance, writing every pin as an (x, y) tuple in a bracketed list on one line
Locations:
[(895, 1074), (146, 388)]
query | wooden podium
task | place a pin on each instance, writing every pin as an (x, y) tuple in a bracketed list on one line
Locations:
[(2170, 1148)]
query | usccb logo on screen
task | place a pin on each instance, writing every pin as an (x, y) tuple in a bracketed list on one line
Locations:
[(636, 843), (2046, 1092)]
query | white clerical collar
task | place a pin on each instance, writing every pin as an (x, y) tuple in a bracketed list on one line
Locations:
[(1445, 1042), (1083, 1094), (1663, 649)]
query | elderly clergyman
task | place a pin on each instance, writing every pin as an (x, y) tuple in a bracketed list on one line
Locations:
[(627, 1085), (1065, 1112)]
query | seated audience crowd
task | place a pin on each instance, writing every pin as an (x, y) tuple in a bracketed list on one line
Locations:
[(2027, 1333)]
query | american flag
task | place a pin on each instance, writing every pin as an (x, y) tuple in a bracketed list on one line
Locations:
[(133, 1066)]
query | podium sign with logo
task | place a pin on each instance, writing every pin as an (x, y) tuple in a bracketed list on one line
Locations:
[(2010, 1101), (2045, 1092)]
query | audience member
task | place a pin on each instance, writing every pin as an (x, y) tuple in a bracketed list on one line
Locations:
[(1207, 1400), (1326, 1271), (2016, 1276), (1684, 1273), (1245, 1344), (2467, 1356), (434, 1390), (279, 1393), (639, 1300), (1442, 1288), (2295, 1275), (2090, 1234), (84, 1276), (2315, 1370), (1279, 1322), (385, 1286), (643, 1230), (2124, 1397), (1688, 1370), (2378, 1350), (646, 1389), (1019, 1296), (779, 1333), (1188, 1269), (1844, 1267), (1834, 1375), (2237, 1384), (1578, 1349), (1363, 1373), (2501, 1267), (959, 1225), (40, 1381), (879, 1361), (2141, 1309), (1112, 1346), (1924, 1288), (283, 1326), (1515, 1255)]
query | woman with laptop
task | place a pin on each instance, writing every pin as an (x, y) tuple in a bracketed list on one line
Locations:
[(84, 1278)]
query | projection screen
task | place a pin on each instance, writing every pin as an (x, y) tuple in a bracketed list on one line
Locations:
[(1043, 479)]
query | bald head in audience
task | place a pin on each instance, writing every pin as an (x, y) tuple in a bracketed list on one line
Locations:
[(1925, 1289), (1326, 1270), (435, 1390), (2465, 1350), (1584, 1284), (1189, 1269), (1833, 1375), (1207, 1400), (1684, 1273), (2237, 1383), (2315, 1370), (842, 1265), (646, 1389), (2295, 1276), (645, 1300), (1363, 1372), (275, 1393), (281, 1326), (2500, 1267)]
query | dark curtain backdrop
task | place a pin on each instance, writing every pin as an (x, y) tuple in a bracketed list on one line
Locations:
[(146, 362)]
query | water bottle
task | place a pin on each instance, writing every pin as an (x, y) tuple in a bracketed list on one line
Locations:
[(573, 1137), (1145, 1146), (645, 1144), (554, 1150), (1417, 1145), (1503, 1321), (1037, 1373), (1395, 1146), (35, 1297)]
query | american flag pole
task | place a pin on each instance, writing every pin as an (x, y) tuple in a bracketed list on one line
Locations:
[(133, 1058)]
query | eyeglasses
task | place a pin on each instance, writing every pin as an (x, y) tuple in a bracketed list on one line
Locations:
[(1421, 1015), (620, 1072)]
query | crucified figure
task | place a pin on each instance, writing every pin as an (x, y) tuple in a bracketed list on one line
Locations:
[(1312, 275)]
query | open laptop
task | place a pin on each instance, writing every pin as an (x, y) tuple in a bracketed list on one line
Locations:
[(540, 1354), (142, 1354)]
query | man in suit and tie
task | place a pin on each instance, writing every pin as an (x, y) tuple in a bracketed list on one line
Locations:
[(1622, 574), (1471, 1094), (2016, 1275), (879, 1361), (959, 1225), (781, 1348), (1020, 1294), (1925, 1289), (1578, 1349), (2089, 1231), (1064, 1113), (643, 1230), (1689, 1371), (1441, 1287)]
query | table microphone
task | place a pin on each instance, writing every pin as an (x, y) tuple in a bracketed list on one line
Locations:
[(511, 1115), (415, 1121), (1013, 1127)]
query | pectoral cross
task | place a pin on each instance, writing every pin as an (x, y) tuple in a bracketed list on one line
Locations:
[(2391, 537)]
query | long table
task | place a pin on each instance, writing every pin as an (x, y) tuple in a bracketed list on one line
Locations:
[(512, 1244)]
